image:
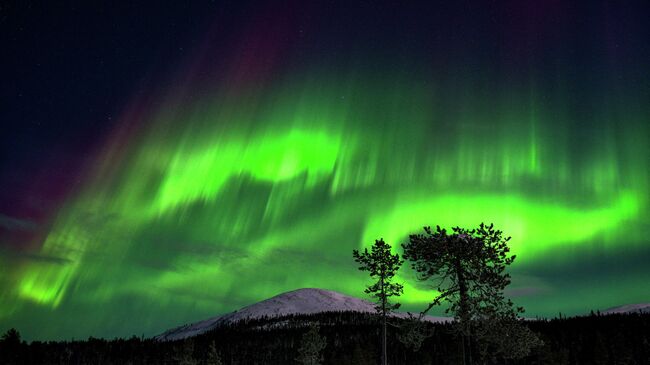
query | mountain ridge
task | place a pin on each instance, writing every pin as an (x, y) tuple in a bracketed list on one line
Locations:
[(312, 301), (299, 301), (628, 308)]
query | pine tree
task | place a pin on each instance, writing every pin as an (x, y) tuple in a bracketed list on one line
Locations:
[(362, 356), (11, 338), (413, 332), (469, 269), (311, 347), (10, 344), (213, 357), (383, 265), (185, 353)]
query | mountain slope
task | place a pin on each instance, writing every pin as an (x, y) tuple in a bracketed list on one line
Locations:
[(301, 301), (630, 308)]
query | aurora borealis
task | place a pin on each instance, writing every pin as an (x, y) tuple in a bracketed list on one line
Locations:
[(288, 136)]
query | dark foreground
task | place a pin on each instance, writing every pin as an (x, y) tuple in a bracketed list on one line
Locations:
[(351, 339)]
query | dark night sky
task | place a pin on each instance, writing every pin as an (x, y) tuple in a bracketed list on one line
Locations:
[(69, 69)]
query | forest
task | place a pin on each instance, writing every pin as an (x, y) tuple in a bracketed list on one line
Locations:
[(350, 338)]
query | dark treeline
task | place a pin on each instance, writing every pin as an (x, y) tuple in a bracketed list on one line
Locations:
[(352, 338)]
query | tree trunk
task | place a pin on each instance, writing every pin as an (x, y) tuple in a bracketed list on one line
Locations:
[(464, 299), (462, 347), (383, 346), (469, 349), (384, 359), (463, 315)]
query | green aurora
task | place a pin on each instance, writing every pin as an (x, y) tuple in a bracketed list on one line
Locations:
[(220, 198)]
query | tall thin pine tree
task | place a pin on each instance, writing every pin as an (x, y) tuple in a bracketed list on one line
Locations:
[(382, 265)]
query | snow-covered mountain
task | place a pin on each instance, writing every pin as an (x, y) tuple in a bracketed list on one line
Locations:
[(301, 301), (630, 308)]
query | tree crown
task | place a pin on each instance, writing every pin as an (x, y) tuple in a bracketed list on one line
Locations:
[(382, 264), (468, 264)]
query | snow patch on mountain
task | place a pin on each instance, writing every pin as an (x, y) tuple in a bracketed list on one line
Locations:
[(301, 301), (630, 308)]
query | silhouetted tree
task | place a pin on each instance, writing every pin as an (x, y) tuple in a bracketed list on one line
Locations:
[(503, 335), (185, 353), (311, 347), (468, 267), (362, 356), (11, 337), (213, 357), (10, 347), (413, 332), (383, 265)]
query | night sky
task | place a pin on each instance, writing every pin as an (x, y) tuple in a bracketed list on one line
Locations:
[(167, 162)]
